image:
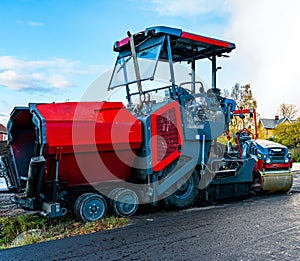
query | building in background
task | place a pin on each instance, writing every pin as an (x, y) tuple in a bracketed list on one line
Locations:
[(3, 133), (268, 125)]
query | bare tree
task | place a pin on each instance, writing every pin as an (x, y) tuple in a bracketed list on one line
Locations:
[(287, 110), (243, 96)]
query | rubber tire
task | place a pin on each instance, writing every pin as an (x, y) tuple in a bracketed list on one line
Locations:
[(124, 209), (111, 197), (186, 198), (82, 204)]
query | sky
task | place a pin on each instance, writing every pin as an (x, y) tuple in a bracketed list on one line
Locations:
[(52, 50)]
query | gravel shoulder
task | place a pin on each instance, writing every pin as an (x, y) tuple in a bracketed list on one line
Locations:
[(7, 207)]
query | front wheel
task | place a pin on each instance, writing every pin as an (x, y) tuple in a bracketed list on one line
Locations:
[(186, 195), (90, 207)]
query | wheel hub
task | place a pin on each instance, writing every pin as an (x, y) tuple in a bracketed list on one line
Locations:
[(94, 209)]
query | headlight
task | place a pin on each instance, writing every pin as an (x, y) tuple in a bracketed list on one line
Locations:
[(268, 160), (286, 160)]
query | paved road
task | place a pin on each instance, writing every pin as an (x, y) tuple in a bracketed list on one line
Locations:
[(263, 228)]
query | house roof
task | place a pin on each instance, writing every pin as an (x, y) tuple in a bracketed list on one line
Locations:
[(273, 123), (2, 129)]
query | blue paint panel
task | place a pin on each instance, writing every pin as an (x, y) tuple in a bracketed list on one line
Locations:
[(164, 30)]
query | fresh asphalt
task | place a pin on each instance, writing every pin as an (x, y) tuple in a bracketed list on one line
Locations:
[(258, 228)]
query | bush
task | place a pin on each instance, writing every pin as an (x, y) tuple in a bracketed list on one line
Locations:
[(11, 227), (295, 152)]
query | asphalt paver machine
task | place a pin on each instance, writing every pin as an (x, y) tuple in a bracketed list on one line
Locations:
[(149, 141)]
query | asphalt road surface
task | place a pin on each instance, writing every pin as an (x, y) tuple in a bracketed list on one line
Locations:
[(259, 228)]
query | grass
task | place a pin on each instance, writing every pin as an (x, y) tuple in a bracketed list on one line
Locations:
[(34, 228)]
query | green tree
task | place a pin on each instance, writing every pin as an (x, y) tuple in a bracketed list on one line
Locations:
[(288, 134)]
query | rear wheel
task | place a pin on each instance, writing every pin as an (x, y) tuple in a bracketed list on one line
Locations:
[(112, 195), (124, 202), (90, 207), (186, 194)]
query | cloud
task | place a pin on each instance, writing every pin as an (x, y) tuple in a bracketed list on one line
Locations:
[(40, 75), (4, 114), (186, 8), (13, 80), (267, 36), (35, 24), (4, 118), (58, 81), (30, 23)]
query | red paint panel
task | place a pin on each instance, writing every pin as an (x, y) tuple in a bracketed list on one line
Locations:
[(88, 123), (104, 136), (206, 40), (277, 166), (126, 40), (259, 165), (166, 135), (123, 42)]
